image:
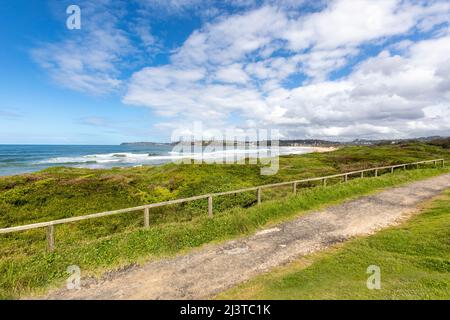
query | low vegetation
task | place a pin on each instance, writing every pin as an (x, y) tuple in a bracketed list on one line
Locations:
[(414, 260), (65, 192), (442, 142), (102, 244)]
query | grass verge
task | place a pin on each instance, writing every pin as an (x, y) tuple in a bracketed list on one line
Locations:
[(414, 259), (24, 274)]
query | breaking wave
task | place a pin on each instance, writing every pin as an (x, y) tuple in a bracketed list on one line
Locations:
[(134, 159)]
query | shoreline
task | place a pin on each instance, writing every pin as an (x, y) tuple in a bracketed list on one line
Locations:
[(127, 158)]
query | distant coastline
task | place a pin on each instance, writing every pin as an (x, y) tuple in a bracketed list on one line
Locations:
[(295, 142), (281, 143)]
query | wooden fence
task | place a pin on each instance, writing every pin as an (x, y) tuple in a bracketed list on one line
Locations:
[(50, 225)]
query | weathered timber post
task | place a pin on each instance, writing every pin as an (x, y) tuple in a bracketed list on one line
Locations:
[(443, 163), (392, 169), (51, 238), (346, 178), (324, 181), (294, 187), (376, 172), (362, 174), (210, 206), (258, 195), (146, 218), (404, 167)]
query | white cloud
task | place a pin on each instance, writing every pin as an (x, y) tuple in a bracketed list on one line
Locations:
[(405, 94), (349, 23), (92, 59), (386, 95), (275, 66), (175, 92), (349, 131)]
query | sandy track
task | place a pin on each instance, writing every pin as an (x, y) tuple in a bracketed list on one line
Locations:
[(213, 268)]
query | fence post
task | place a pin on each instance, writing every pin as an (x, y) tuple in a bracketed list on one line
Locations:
[(294, 188), (324, 182), (376, 172), (210, 206), (404, 167), (51, 238), (346, 178), (443, 163), (258, 194), (392, 169), (146, 218), (362, 174)]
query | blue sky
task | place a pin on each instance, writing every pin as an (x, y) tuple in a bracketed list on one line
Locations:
[(139, 70)]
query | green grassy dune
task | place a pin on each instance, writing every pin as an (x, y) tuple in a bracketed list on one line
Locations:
[(107, 243)]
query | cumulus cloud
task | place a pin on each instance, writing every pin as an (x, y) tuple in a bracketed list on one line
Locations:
[(387, 95), (232, 74), (93, 58), (337, 69)]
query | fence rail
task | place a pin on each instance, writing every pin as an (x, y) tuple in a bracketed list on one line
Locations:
[(51, 229)]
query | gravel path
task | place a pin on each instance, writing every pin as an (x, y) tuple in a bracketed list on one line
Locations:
[(213, 268)]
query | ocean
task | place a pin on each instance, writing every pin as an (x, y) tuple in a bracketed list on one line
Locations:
[(17, 159)]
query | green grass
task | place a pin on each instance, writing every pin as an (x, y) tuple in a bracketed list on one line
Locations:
[(107, 243), (22, 273), (414, 259)]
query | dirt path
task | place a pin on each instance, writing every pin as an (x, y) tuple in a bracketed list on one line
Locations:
[(214, 268)]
